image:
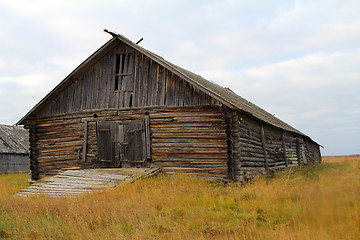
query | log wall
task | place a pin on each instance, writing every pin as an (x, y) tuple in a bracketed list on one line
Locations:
[(189, 140), (258, 147)]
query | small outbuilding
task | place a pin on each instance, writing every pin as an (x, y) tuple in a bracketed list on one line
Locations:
[(14, 149), (125, 106)]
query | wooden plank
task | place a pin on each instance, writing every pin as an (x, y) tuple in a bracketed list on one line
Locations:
[(264, 148), (147, 134), (186, 140), (284, 151), (76, 182), (85, 141), (298, 156)]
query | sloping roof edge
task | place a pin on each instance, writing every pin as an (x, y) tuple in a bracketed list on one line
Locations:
[(223, 95), (91, 58)]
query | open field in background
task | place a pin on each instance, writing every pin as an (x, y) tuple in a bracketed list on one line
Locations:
[(316, 202), (339, 159)]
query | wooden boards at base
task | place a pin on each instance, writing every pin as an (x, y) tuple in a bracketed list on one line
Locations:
[(77, 182)]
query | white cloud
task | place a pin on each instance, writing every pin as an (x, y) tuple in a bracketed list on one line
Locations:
[(311, 71), (297, 59)]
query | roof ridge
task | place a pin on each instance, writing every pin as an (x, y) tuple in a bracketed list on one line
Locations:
[(226, 97)]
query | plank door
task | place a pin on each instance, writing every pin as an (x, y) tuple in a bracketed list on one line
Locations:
[(107, 135), (123, 144)]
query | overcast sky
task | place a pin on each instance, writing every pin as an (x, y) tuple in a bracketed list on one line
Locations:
[(299, 60)]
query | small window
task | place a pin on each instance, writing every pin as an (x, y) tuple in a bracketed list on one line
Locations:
[(124, 71)]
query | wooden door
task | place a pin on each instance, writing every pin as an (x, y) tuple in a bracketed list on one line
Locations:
[(123, 144)]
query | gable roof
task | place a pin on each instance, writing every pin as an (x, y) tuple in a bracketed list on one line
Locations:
[(13, 139), (223, 95)]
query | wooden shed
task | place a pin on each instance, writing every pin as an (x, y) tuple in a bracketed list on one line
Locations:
[(125, 106), (14, 149)]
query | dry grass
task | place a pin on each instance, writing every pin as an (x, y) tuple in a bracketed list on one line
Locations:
[(341, 159), (317, 202)]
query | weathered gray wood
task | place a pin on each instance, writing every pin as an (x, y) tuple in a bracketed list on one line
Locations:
[(264, 148), (147, 134), (84, 149), (298, 151), (284, 150), (76, 182)]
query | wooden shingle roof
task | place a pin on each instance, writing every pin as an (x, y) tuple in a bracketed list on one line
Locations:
[(223, 95), (13, 140)]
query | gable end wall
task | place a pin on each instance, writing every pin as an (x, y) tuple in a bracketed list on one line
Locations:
[(150, 85)]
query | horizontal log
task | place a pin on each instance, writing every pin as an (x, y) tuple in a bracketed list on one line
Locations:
[(252, 146), (252, 154), (212, 176), (74, 144), (137, 111), (192, 161), (189, 135), (63, 131), (189, 145), (179, 159), (58, 140), (273, 146), (193, 166), (251, 150), (189, 129), (188, 156), (254, 131), (155, 140), (199, 113), (57, 122), (252, 169), (195, 170), (252, 164), (192, 119), (197, 124), (252, 159), (58, 163), (59, 127), (251, 141), (56, 157), (160, 151), (55, 150), (60, 135), (44, 169)]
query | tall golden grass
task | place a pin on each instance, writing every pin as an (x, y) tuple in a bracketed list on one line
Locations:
[(315, 202)]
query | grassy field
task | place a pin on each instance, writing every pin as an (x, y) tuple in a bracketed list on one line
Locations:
[(316, 202)]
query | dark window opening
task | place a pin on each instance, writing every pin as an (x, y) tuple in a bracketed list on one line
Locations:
[(117, 72), (124, 68), (131, 97)]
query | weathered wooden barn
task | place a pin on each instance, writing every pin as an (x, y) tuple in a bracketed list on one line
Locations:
[(14, 149), (125, 106)]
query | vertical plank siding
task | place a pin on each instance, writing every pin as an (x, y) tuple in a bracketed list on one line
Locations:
[(12, 163), (148, 85)]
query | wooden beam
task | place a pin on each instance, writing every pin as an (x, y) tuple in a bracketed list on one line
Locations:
[(85, 141), (298, 156), (147, 136), (264, 148), (284, 149)]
